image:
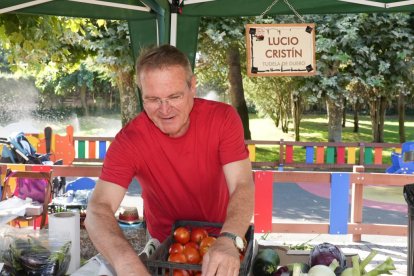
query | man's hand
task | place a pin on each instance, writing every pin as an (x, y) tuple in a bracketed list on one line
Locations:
[(132, 271), (222, 259)]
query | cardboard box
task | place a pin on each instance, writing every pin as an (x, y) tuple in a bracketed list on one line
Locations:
[(34, 209)]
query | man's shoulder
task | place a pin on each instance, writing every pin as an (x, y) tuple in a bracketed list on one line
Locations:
[(209, 105), (135, 126)]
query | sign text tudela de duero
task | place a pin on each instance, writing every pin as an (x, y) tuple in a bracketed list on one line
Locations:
[(280, 49)]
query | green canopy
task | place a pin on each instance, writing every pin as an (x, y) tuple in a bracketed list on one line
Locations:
[(158, 21)]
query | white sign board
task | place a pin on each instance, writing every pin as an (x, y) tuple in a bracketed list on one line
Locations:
[(280, 49)]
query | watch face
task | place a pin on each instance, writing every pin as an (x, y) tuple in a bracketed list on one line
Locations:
[(239, 243)]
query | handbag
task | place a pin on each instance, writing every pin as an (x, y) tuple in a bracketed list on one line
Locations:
[(29, 188)]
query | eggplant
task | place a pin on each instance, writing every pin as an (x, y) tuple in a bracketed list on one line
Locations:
[(30, 258)]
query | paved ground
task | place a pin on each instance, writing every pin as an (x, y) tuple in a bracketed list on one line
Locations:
[(293, 203)]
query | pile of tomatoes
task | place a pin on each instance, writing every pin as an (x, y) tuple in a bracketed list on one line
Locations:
[(189, 247)]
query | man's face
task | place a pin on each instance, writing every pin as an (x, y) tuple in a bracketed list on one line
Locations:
[(168, 99)]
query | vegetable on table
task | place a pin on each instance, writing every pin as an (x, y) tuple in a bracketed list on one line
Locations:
[(30, 257), (358, 267), (325, 253), (291, 268), (266, 262), (323, 270)]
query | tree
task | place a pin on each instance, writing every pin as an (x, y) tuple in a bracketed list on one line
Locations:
[(109, 40), (272, 98), (220, 40), (49, 47), (381, 63)]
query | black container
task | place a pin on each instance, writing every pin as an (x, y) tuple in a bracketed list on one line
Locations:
[(157, 264), (409, 197)]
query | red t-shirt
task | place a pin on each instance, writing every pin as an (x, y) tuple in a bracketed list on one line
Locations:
[(181, 178)]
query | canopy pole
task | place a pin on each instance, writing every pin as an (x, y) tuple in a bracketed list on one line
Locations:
[(175, 9), (173, 29)]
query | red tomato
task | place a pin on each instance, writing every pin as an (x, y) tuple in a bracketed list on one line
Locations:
[(197, 234), (182, 235), (192, 244), (180, 272), (177, 258), (192, 255), (203, 250), (198, 273), (176, 248), (207, 241)]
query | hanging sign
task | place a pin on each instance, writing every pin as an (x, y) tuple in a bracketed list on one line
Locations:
[(280, 49)]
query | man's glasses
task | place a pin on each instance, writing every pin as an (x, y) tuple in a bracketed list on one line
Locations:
[(172, 100)]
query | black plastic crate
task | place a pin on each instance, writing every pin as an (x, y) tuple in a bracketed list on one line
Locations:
[(157, 264)]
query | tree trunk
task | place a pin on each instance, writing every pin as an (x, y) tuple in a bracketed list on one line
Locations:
[(383, 109), (128, 96), (297, 114), (374, 114), (377, 113), (344, 114), (236, 88), (334, 120), (84, 103), (356, 117), (401, 117)]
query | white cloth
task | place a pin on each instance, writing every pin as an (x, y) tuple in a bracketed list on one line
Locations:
[(12, 208), (96, 266)]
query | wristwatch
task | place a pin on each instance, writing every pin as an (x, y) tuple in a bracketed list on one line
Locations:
[(238, 241)]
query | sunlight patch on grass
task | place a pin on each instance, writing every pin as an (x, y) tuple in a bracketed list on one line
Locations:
[(384, 194)]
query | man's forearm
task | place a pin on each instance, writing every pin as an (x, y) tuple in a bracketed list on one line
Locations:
[(240, 210), (109, 240)]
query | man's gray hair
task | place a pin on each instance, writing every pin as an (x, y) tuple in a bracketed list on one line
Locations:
[(162, 57)]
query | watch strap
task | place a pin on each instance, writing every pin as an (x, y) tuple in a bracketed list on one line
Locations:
[(236, 240)]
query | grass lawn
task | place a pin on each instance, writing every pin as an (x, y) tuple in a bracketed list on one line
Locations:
[(314, 128)]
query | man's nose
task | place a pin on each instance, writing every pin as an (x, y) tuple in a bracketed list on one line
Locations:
[(164, 105)]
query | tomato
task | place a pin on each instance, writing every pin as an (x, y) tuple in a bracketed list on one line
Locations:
[(182, 235), (192, 244), (180, 272), (205, 244), (192, 255), (198, 273), (203, 250), (197, 234), (176, 248), (177, 258), (207, 241)]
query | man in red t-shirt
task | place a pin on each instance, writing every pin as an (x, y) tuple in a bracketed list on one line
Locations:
[(190, 159)]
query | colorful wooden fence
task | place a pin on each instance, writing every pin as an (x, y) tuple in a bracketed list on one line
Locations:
[(324, 155), (340, 185), (287, 154), (91, 149)]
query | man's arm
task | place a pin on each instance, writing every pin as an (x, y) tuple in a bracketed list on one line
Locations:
[(223, 257), (105, 233)]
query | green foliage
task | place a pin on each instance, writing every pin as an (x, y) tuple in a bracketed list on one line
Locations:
[(359, 58), (64, 54)]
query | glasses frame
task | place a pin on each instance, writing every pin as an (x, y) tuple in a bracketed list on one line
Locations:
[(155, 103)]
